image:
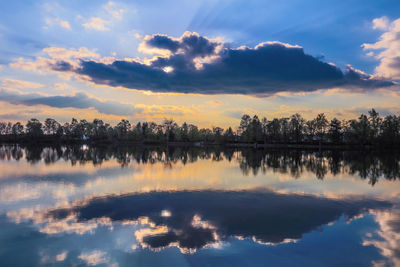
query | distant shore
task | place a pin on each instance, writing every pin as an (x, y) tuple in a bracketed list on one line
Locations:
[(367, 132)]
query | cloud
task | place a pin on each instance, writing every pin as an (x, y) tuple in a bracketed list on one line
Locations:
[(381, 23), (163, 110), (388, 48), (19, 192), (387, 238), (197, 64), (94, 257), (61, 86), (62, 256), (63, 53), (96, 23), (78, 100), (115, 12), (59, 22), (18, 84), (58, 59), (214, 103), (192, 45)]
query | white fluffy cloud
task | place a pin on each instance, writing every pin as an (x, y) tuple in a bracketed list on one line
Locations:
[(387, 48)]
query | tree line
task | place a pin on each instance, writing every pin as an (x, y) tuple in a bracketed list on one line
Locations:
[(370, 129)]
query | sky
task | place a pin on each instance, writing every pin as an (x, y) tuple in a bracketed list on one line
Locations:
[(204, 62)]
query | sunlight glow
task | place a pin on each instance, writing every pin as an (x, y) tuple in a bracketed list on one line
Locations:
[(168, 69), (165, 213)]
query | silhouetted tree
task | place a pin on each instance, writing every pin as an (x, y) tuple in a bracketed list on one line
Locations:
[(361, 129), (274, 130), (193, 133), (243, 126), (391, 130), (375, 122), (310, 129), (184, 132), (296, 126), (229, 135), (321, 124), (335, 131), (122, 128), (34, 128), (17, 129), (217, 132), (50, 126)]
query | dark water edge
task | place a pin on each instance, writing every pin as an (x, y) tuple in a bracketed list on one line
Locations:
[(315, 145)]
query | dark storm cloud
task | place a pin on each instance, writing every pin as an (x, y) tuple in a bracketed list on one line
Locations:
[(190, 44), (78, 100), (267, 216), (62, 66), (206, 66), (163, 42)]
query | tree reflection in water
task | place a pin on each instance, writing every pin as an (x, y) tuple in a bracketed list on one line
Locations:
[(370, 165)]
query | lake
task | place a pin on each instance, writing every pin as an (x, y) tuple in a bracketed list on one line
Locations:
[(177, 206)]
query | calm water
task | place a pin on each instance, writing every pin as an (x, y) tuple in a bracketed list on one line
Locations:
[(197, 207)]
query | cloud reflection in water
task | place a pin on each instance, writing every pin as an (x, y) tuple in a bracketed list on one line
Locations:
[(151, 201), (201, 218)]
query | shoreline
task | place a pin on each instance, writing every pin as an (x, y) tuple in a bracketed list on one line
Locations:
[(322, 146)]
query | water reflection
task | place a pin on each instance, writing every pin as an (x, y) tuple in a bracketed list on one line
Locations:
[(370, 165), (200, 218), (75, 205), (388, 240)]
